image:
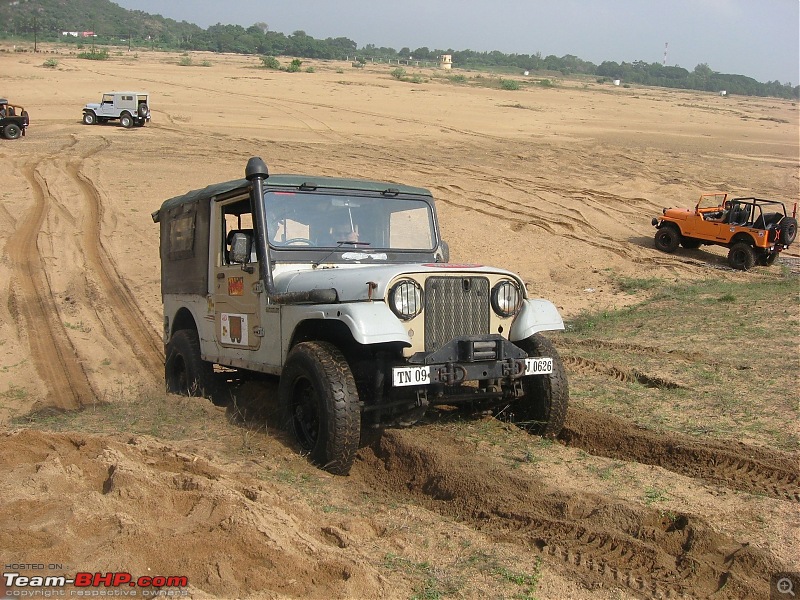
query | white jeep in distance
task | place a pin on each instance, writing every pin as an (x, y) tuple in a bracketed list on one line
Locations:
[(131, 108), (342, 288)]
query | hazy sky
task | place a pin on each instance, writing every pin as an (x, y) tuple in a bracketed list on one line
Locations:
[(758, 38)]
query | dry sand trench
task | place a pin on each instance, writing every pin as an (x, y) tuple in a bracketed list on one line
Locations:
[(556, 184)]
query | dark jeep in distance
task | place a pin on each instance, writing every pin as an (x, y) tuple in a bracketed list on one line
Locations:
[(343, 288), (14, 120)]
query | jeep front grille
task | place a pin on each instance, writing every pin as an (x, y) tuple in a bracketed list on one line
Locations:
[(455, 306)]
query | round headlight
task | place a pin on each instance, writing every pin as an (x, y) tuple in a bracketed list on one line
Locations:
[(506, 298), (405, 299)]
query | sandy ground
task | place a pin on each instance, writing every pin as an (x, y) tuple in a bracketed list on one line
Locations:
[(556, 183)]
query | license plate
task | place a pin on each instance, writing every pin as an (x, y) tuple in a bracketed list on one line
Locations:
[(538, 366), (402, 376)]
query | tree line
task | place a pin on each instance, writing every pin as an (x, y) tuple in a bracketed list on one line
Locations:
[(45, 20)]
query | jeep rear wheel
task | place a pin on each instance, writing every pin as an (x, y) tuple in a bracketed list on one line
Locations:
[(185, 373), (12, 131), (126, 120), (667, 238), (319, 399), (742, 256), (767, 258), (788, 227), (89, 118), (543, 409)]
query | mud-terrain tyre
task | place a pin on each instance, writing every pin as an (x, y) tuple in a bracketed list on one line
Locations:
[(126, 120), (319, 401), (690, 243), (788, 227), (767, 258), (543, 409), (142, 111), (89, 118), (741, 256), (185, 373), (667, 239), (12, 131)]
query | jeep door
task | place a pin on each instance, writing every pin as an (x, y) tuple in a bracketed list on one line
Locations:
[(237, 319), (107, 107)]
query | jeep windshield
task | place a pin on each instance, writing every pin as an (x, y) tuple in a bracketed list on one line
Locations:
[(299, 219)]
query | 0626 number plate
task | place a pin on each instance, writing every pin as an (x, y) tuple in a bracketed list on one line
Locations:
[(402, 376), (538, 366)]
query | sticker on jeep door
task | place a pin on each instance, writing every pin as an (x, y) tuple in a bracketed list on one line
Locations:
[(234, 329)]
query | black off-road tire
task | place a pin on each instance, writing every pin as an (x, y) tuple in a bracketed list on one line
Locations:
[(788, 227), (690, 243), (126, 120), (185, 373), (319, 400), (741, 256), (142, 110), (543, 409), (89, 118), (12, 131), (667, 238), (767, 258)]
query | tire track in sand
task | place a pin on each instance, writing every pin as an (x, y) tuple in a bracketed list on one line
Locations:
[(736, 466), (32, 303), (143, 341), (600, 541)]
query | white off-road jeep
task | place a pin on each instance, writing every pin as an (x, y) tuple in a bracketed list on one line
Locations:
[(131, 108), (343, 289)]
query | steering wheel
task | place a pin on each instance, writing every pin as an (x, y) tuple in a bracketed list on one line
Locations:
[(297, 242)]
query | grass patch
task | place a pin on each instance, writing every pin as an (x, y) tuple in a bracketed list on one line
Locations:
[(94, 55), (719, 358)]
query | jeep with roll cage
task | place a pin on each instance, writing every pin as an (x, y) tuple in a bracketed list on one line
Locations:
[(754, 230), (343, 288), (14, 120), (130, 108)]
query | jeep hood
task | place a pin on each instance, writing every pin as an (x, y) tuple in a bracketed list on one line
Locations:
[(353, 282), (92, 105), (678, 213)]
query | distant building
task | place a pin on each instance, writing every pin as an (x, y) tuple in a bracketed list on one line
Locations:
[(446, 61), (83, 34)]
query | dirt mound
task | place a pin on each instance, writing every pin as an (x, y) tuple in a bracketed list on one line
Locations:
[(141, 506), (731, 464)]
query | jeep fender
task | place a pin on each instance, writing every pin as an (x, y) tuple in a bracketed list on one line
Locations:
[(536, 315), (368, 322)]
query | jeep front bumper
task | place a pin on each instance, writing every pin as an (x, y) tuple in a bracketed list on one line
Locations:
[(470, 358)]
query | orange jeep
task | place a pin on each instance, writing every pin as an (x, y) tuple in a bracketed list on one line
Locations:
[(754, 230)]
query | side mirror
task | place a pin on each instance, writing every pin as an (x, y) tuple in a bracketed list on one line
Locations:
[(241, 245)]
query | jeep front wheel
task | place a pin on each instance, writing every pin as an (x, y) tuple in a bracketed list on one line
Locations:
[(12, 131), (667, 239), (126, 120), (543, 409), (185, 373), (89, 118), (319, 399), (741, 256)]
